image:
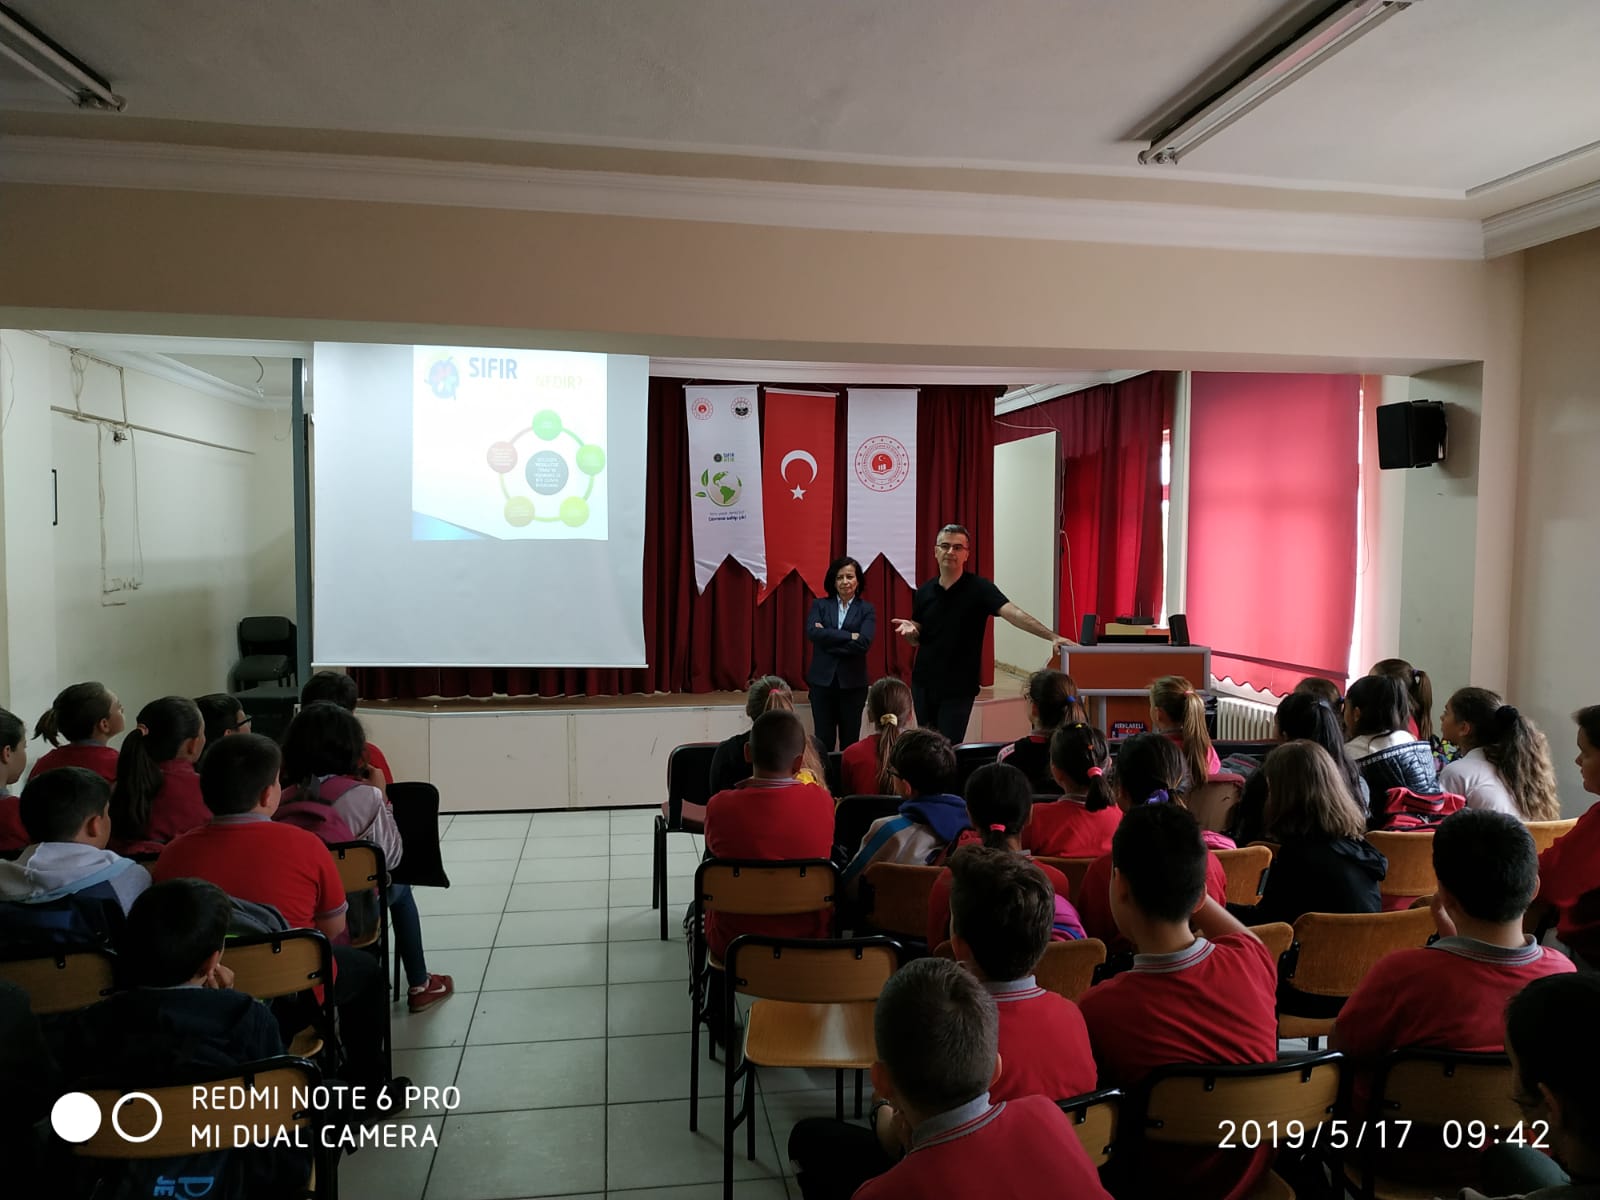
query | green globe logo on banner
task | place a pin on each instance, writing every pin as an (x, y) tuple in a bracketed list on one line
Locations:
[(719, 489)]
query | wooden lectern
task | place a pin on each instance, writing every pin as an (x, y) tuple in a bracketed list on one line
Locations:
[(1114, 679)]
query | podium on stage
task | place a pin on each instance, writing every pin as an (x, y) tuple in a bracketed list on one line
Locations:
[(1114, 679)]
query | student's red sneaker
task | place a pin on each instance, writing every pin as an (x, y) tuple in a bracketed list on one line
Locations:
[(430, 993)]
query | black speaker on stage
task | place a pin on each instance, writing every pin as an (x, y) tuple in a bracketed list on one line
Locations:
[(1178, 629), (1410, 434), (1090, 633)]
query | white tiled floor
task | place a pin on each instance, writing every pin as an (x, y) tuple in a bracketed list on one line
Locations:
[(568, 1035)]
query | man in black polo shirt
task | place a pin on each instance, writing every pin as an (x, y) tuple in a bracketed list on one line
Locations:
[(948, 614)]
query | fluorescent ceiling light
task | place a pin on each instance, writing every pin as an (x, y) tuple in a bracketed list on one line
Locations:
[(1281, 65), (34, 52)]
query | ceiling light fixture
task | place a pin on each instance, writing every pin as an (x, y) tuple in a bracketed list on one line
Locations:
[(1282, 64), (34, 52)]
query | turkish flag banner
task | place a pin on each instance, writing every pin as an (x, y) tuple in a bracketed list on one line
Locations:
[(797, 486)]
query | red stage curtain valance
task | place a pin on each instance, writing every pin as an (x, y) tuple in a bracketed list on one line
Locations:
[(721, 639), (1109, 446), (1272, 524)]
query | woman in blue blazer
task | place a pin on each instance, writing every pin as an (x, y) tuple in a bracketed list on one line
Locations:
[(840, 626)]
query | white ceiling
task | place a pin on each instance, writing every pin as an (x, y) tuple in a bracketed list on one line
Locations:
[(1446, 96)]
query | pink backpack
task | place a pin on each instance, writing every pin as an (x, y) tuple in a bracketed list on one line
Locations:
[(318, 816)]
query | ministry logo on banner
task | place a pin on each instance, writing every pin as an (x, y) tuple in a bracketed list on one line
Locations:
[(725, 500), (881, 478)]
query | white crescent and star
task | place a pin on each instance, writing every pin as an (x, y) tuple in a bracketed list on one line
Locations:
[(798, 493)]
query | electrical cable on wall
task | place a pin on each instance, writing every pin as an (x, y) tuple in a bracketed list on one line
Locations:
[(120, 432)]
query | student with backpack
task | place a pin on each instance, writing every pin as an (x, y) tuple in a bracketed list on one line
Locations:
[(929, 820), (323, 792), (88, 715), (335, 687), (1504, 765), (157, 793)]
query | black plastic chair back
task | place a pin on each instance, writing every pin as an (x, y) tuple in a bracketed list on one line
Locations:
[(688, 778), (416, 815), (855, 815)]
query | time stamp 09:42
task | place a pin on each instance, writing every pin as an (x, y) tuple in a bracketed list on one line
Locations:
[(1379, 1135)]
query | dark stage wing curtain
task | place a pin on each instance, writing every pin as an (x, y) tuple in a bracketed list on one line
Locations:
[(720, 640), (1109, 448)]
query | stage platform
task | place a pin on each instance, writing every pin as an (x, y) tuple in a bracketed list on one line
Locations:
[(584, 751)]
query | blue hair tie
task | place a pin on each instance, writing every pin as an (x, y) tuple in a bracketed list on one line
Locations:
[(1159, 796)]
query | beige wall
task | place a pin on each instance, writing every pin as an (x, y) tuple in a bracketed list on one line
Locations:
[(1557, 572)]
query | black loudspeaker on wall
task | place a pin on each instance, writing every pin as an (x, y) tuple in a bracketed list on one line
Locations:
[(1178, 629), (1090, 633), (1410, 434)]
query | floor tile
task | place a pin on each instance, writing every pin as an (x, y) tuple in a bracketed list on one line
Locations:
[(655, 1067), (506, 1156), (572, 893), (478, 829), (582, 845), (569, 824), (459, 850), (540, 1015), (463, 898), (532, 1075), (558, 870), (639, 924), (649, 1145), (397, 1173), (784, 1109), (638, 866), (459, 931), (633, 843), (637, 1008), (478, 871), (635, 893), (444, 823), (445, 1024), (648, 961), (641, 818), (432, 1066), (749, 1189), (551, 928), (464, 966), (519, 968)]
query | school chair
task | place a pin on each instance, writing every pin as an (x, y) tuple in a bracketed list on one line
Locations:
[(1332, 953), (749, 889), (416, 815), (688, 783), (1213, 801), (854, 815), (1094, 1120), (60, 980), (1410, 873), (1277, 937), (1073, 868), (1547, 833), (814, 1001), (267, 653), (296, 961), (1445, 1095), (263, 1111), (1069, 968), (1206, 1106), (833, 771), (366, 891), (894, 899), (972, 755), (1246, 869)]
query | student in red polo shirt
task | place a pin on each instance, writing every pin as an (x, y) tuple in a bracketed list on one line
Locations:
[(88, 715), (1202, 989), (937, 1032), (13, 761), (335, 687), (1052, 702), (157, 793), (1452, 995), (1569, 871), (770, 817), (252, 857), (1080, 824)]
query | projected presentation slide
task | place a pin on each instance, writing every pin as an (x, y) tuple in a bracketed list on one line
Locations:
[(508, 444)]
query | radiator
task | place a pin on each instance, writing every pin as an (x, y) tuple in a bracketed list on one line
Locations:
[(1244, 720)]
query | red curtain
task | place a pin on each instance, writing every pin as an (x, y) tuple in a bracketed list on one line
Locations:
[(1109, 446), (1272, 524), (721, 639)]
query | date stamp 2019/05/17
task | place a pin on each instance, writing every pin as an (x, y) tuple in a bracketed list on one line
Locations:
[(1340, 1134)]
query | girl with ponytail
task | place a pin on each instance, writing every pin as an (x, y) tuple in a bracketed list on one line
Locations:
[(1052, 702), (88, 715), (1177, 710), (864, 765), (1419, 693), (1081, 823), (157, 793), (999, 801), (730, 765), (1301, 715), (1505, 762)]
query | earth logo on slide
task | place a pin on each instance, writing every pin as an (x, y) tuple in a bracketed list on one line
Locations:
[(882, 464), (443, 378), (716, 488)]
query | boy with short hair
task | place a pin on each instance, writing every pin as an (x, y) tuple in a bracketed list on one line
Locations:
[(335, 687), (937, 1034), (67, 814), (770, 817), (1452, 995), (931, 818), (252, 857)]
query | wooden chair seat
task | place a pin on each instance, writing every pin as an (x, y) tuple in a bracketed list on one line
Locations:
[(1073, 868), (896, 898), (307, 1043), (1212, 803), (782, 1033), (1272, 1187), (1094, 1120), (1068, 968), (1277, 936), (1246, 868), (63, 981), (1547, 833), (1290, 1026), (1410, 856)]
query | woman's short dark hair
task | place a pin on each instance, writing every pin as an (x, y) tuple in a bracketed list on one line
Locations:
[(834, 568), (1382, 703)]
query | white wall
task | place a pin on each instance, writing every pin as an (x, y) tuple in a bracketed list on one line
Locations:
[(1026, 534), (204, 485)]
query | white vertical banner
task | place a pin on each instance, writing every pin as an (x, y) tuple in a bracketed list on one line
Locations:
[(881, 478), (725, 481)]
